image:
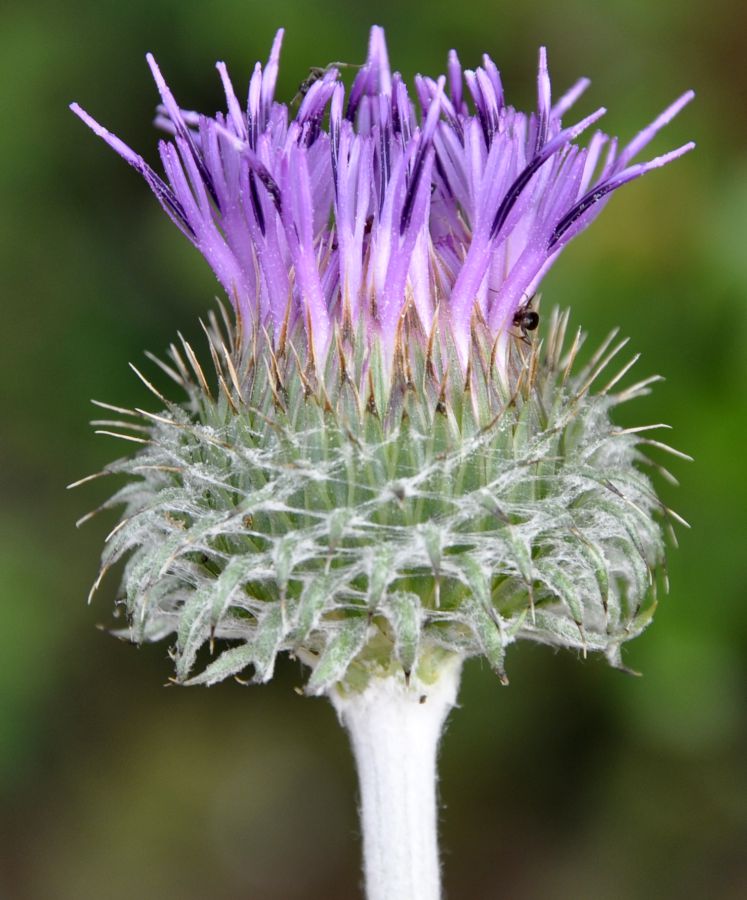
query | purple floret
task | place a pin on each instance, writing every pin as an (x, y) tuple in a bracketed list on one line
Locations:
[(367, 208)]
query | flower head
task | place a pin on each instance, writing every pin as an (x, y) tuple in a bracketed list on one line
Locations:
[(384, 470), (360, 207)]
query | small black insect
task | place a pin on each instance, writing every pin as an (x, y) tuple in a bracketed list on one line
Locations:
[(526, 319), (315, 74)]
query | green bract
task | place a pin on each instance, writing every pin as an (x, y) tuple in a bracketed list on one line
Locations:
[(385, 514)]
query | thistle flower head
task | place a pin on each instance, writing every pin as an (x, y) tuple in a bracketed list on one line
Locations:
[(383, 470), (362, 207)]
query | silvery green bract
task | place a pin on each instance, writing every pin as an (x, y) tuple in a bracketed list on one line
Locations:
[(380, 469)]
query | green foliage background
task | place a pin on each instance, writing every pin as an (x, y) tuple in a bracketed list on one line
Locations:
[(576, 781)]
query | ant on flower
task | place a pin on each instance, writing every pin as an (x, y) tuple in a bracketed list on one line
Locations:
[(526, 319), (318, 72)]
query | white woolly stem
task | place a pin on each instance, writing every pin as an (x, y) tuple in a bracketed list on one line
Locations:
[(394, 730)]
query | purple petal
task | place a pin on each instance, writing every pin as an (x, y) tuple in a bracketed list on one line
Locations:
[(234, 110), (378, 59), (643, 138), (175, 114), (543, 101), (270, 77), (455, 82), (426, 139), (569, 134), (575, 219), (569, 98), (253, 106), (375, 76), (298, 220), (162, 191), (491, 70)]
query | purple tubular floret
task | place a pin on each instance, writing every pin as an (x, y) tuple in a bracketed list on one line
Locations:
[(269, 79), (455, 81), (182, 129), (543, 101), (163, 193), (547, 151), (256, 204), (361, 207), (611, 184), (644, 138), (426, 138), (494, 77), (237, 118), (569, 98)]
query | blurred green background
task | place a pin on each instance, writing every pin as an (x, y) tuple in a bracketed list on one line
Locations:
[(574, 782)]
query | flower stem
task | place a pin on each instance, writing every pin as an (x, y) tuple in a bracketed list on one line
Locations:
[(394, 730)]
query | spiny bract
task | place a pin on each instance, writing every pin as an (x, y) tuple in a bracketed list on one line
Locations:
[(371, 524)]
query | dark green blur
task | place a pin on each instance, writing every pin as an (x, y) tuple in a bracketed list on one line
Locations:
[(574, 782)]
